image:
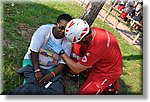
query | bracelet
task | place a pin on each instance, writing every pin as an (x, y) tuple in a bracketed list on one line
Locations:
[(53, 74), (61, 52), (37, 70)]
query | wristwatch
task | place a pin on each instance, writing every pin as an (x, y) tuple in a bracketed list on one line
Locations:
[(61, 52)]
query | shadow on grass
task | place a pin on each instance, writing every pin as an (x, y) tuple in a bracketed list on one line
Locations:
[(133, 57), (125, 89)]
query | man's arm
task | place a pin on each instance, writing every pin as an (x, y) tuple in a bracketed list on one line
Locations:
[(35, 59), (58, 69), (76, 67), (37, 41)]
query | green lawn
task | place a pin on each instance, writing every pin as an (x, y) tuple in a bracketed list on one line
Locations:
[(21, 20)]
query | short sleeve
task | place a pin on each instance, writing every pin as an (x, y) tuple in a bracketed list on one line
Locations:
[(89, 59), (38, 38), (93, 54), (67, 47)]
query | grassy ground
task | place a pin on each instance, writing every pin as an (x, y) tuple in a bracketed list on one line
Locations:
[(22, 19)]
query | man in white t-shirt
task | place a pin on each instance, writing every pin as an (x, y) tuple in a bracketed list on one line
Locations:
[(42, 57)]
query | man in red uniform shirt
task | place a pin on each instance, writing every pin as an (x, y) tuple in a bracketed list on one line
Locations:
[(78, 50), (102, 54)]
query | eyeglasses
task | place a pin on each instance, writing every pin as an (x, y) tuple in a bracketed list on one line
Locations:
[(60, 27)]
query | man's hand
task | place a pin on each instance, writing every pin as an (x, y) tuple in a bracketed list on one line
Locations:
[(56, 48), (45, 79), (38, 76)]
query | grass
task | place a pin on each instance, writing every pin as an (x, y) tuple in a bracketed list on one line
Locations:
[(21, 20)]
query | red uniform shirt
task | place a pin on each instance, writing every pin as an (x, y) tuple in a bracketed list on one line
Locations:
[(78, 50), (103, 55)]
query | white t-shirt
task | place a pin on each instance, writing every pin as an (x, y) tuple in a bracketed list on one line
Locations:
[(47, 57)]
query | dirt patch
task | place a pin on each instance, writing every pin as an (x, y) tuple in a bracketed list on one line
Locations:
[(72, 83), (25, 30)]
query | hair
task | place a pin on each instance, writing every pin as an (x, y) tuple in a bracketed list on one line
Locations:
[(65, 17)]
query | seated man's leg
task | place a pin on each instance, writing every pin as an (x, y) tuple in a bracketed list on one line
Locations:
[(57, 86)]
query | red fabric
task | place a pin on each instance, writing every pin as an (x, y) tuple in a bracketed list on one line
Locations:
[(87, 72), (78, 50), (120, 7), (97, 87), (123, 15), (104, 55)]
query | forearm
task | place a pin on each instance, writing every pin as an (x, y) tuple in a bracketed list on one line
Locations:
[(72, 65), (35, 60), (59, 68)]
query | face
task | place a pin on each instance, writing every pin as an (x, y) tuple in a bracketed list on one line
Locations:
[(60, 29)]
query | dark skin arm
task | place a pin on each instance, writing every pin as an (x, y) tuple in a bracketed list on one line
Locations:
[(49, 76), (35, 62)]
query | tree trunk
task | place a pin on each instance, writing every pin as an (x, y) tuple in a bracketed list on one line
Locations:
[(92, 10)]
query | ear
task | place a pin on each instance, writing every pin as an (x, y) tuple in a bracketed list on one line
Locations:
[(87, 36)]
